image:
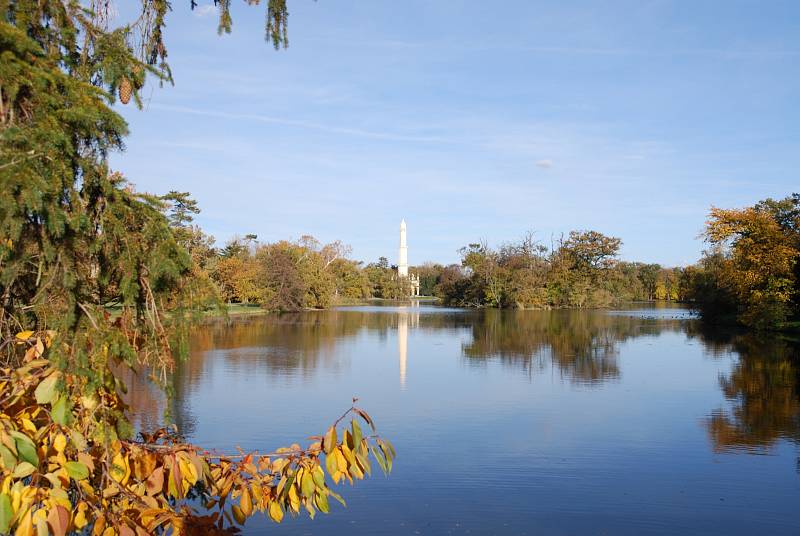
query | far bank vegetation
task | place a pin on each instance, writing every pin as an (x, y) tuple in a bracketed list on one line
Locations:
[(748, 275)]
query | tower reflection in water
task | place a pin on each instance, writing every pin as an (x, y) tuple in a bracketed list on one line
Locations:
[(405, 316)]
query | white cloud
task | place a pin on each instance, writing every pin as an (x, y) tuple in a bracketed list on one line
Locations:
[(206, 10), (545, 164)]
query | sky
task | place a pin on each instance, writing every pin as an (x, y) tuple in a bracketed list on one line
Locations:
[(475, 120)]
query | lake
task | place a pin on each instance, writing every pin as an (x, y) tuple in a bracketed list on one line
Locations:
[(636, 421)]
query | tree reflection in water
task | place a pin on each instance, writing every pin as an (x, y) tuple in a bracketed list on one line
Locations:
[(581, 345), (762, 388)]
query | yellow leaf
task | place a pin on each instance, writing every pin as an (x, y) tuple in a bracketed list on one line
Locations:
[(99, 526), (24, 336), (330, 463), (294, 499), (348, 454), (60, 443), (238, 515), (28, 425), (341, 461), (120, 468), (188, 470), (256, 492), (25, 526), (275, 511), (329, 442), (246, 502), (41, 524), (307, 484), (80, 520)]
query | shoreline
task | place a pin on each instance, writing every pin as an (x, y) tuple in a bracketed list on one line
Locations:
[(789, 328)]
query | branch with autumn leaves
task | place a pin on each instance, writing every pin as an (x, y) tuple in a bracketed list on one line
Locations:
[(64, 467)]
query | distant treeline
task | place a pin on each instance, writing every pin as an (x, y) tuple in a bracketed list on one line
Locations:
[(750, 273), (292, 275), (278, 276), (582, 272), (579, 271)]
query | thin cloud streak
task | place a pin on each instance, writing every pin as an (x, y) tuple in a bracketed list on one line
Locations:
[(300, 124)]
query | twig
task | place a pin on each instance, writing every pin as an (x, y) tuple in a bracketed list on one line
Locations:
[(89, 315)]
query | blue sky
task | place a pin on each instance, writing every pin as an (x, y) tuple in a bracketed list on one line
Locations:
[(476, 120)]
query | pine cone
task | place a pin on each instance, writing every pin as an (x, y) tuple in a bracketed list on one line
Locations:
[(125, 90)]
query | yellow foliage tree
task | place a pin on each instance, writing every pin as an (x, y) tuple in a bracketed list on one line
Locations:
[(64, 466), (758, 267), (237, 279)]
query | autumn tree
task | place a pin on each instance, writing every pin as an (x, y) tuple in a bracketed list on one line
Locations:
[(280, 283), (759, 254), (527, 265), (453, 285), (350, 280), (591, 250), (237, 278), (294, 275)]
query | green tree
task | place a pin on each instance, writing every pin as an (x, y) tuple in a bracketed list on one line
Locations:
[(429, 274), (581, 271), (76, 235), (648, 275)]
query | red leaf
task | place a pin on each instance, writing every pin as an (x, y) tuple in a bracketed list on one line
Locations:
[(58, 518)]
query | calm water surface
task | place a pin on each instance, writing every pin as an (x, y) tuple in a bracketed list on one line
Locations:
[(515, 422)]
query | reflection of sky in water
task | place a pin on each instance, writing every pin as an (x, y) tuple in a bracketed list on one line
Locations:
[(672, 313), (517, 422)]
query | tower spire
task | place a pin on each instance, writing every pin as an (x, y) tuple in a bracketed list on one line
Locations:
[(402, 257)]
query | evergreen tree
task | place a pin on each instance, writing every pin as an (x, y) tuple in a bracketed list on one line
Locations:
[(76, 238)]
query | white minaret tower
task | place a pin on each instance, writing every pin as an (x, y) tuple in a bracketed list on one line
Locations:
[(402, 258)]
